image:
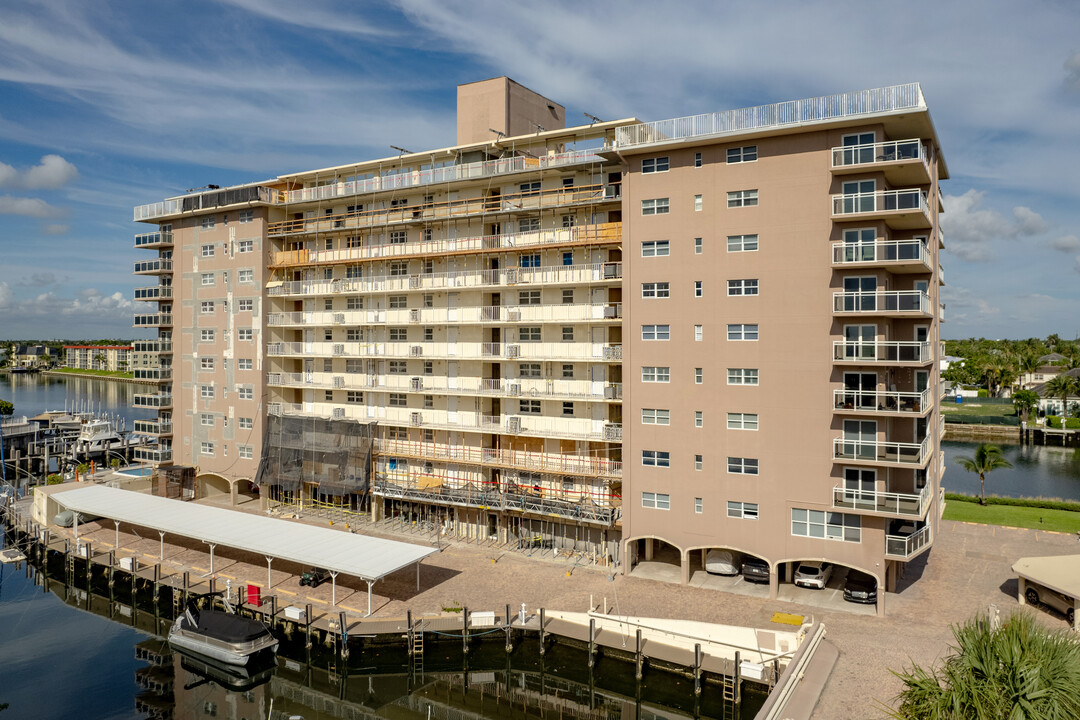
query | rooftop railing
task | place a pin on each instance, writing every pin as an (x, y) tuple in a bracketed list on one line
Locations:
[(206, 201)]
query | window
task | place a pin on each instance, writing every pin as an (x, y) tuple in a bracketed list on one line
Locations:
[(698, 376), (247, 305), (568, 182), (742, 287), (429, 334), (697, 502), (530, 188), (569, 221), (697, 159), (245, 246), (528, 297), (742, 243), (698, 462), (657, 501), (208, 222), (568, 370), (655, 290), (828, 525), (207, 279), (697, 203), (246, 423), (207, 251), (742, 198), (742, 376), (742, 466), (528, 225), (699, 418), (747, 153), (530, 261), (206, 420), (328, 273), (399, 202), (398, 302), (245, 452), (743, 510), (397, 269), (650, 416), (568, 408), (429, 401), (354, 397), (206, 392), (399, 367), (328, 334), (428, 300), (398, 400), (654, 374), (697, 246), (399, 334), (245, 334), (207, 307), (655, 332), (742, 421), (245, 216), (246, 392), (529, 370), (698, 333), (352, 241), (429, 367), (245, 276), (568, 297), (398, 237), (568, 333), (655, 206), (742, 332), (354, 365), (568, 258), (529, 407), (206, 335), (529, 334), (655, 165), (206, 363), (206, 448), (697, 288), (655, 458)]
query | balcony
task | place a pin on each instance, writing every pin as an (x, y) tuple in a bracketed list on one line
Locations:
[(153, 455), (155, 400), (886, 303), (469, 315), (900, 209), (152, 346), (908, 543), (209, 200), (881, 402), (898, 256), (940, 274), (551, 463), (873, 502), (154, 240), (161, 266), (888, 352), (941, 312), (153, 427), (538, 351), (153, 293), (154, 320), (875, 452), (904, 162), (155, 374)]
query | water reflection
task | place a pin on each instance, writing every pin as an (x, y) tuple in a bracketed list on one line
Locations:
[(35, 393), (1037, 471)]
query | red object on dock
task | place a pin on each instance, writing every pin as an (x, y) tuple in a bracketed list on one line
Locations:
[(254, 595)]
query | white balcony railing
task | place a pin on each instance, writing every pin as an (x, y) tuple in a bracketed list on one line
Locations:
[(883, 152), (162, 265), (486, 315), (218, 197), (882, 252), (881, 201), (154, 320), (152, 401), (153, 239), (538, 351), (883, 302), (877, 451), (883, 401), (554, 463), (882, 351), (907, 546), (888, 503)]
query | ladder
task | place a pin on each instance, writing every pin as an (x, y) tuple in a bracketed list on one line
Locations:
[(417, 649)]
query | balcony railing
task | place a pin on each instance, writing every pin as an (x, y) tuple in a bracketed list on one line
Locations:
[(777, 115), (540, 351), (153, 455), (551, 463), (152, 401), (155, 292), (206, 201), (883, 202), (874, 451), (881, 401), (882, 351), (154, 239), (151, 267), (890, 151), (915, 302), (153, 373), (151, 346), (485, 315), (882, 252), (154, 320), (885, 503), (905, 547), (153, 427)]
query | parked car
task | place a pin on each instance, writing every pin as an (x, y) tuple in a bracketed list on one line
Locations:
[(721, 562), (755, 570), (860, 588), (813, 574), (1037, 594), (314, 577)]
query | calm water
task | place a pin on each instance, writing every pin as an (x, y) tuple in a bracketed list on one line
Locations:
[(1037, 471), (33, 394)]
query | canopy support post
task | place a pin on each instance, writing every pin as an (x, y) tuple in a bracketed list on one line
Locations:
[(117, 523), (212, 546), (333, 589), (161, 551), (268, 581), (417, 574), (369, 584)]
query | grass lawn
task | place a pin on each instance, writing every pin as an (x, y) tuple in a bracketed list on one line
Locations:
[(97, 373), (1013, 516), (974, 407)]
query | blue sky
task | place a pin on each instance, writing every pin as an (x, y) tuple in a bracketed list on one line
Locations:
[(110, 104)]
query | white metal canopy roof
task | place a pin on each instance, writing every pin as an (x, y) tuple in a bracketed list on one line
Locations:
[(1057, 572), (361, 556)]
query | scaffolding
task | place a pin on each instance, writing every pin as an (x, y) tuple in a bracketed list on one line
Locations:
[(316, 458)]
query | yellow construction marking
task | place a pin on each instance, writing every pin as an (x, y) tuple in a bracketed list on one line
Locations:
[(280, 590), (231, 577), (788, 619), (195, 567), (317, 600), (127, 549), (354, 610)]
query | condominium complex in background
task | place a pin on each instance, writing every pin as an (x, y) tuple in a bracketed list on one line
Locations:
[(636, 341)]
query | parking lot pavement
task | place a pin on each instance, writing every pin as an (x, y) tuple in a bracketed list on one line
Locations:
[(730, 584), (831, 597)]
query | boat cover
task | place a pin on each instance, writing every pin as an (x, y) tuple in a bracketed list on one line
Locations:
[(227, 627)]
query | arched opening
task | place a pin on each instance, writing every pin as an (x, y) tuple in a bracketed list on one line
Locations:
[(729, 569), (212, 486), (246, 491), (820, 583), (654, 558)]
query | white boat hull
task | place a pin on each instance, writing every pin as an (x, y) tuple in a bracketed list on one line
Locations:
[(228, 653)]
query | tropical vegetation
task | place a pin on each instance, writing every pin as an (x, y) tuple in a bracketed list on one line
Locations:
[(999, 364), (987, 458)]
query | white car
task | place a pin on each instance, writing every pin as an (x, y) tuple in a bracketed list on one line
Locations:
[(813, 574), (721, 562)]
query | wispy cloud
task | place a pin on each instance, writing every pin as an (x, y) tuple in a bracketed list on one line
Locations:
[(970, 229), (29, 207)]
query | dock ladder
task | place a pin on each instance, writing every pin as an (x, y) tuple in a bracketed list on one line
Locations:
[(417, 648)]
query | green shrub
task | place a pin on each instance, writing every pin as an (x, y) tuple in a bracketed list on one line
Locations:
[(1046, 503), (1054, 421), (54, 479), (983, 392)]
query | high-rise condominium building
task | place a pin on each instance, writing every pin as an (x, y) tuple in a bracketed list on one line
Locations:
[(757, 289)]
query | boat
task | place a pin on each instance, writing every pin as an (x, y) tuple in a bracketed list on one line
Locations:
[(238, 678), (221, 635), (99, 436)]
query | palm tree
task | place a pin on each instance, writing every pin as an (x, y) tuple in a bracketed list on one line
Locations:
[(1025, 401), (1062, 386), (987, 458), (1027, 363), (1018, 670)]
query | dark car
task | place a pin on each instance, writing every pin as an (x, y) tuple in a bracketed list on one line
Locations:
[(755, 570), (314, 577), (860, 588)]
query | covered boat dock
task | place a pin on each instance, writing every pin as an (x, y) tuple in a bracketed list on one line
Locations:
[(362, 556)]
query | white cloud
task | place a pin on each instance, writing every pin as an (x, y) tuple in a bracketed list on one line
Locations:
[(1028, 222), (51, 173), (1066, 243), (970, 229), (39, 279), (76, 316), (1072, 72), (30, 207), (55, 229)]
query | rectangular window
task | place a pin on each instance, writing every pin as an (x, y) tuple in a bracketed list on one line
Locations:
[(529, 370), (698, 504), (742, 198), (399, 367), (398, 302), (742, 376), (206, 363), (569, 221), (698, 462), (207, 279), (747, 153), (699, 418), (429, 367), (351, 335), (245, 364), (655, 165), (528, 225), (697, 159), (827, 525), (354, 365), (246, 392), (742, 243), (399, 334), (398, 400), (656, 501), (206, 392), (206, 335), (530, 261), (743, 510), (246, 305), (698, 376), (655, 332), (206, 307), (397, 269), (530, 188), (656, 248), (698, 333), (354, 397), (654, 374), (697, 246), (206, 420), (528, 297), (429, 402), (655, 206), (245, 246), (246, 423), (742, 466), (655, 290), (567, 297), (352, 241), (246, 216), (245, 452), (206, 448), (207, 251), (655, 458), (529, 334), (568, 333), (742, 332), (697, 288), (208, 222), (398, 237), (651, 416), (529, 407), (742, 287), (742, 421), (568, 371), (245, 276), (245, 334), (568, 408), (697, 203)]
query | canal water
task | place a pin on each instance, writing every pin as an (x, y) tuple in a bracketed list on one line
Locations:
[(33, 393), (1037, 471)]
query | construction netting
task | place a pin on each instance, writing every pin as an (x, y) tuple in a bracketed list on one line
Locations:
[(333, 454)]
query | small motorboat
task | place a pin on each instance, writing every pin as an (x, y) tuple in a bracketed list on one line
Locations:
[(221, 635), (238, 678)]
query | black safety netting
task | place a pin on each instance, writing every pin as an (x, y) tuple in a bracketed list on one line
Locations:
[(333, 454)]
